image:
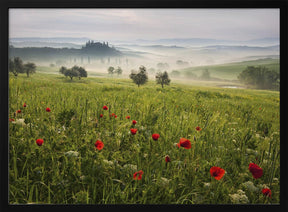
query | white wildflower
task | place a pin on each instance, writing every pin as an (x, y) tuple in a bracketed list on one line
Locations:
[(261, 186), (20, 122), (206, 185), (250, 186), (163, 182), (72, 154), (239, 198), (108, 162), (275, 180), (251, 152), (130, 167)]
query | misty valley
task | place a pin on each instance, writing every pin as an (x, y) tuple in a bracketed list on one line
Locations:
[(181, 58)]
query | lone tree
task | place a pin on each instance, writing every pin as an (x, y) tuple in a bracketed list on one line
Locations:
[(16, 66), (118, 71), (140, 77), (29, 68), (162, 78), (111, 70)]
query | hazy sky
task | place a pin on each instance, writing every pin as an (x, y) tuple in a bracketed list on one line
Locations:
[(127, 24)]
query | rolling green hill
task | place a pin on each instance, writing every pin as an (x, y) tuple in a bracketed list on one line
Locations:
[(230, 71)]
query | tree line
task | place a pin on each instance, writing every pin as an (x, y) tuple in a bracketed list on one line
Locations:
[(92, 49), (75, 71), (260, 77), (16, 66)]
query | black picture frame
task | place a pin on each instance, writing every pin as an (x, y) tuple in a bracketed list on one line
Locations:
[(5, 5)]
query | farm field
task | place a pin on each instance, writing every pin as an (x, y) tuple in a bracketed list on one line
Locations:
[(201, 129)]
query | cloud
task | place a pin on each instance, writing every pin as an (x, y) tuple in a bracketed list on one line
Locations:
[(233, 24)]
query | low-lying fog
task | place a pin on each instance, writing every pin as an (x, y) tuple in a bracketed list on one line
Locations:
[(159, 56)]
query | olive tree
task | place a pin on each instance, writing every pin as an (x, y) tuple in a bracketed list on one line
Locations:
[(29, 68), (162, 78), (140, 77)]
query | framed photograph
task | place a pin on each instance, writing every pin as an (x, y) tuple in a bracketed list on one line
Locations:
[(163, 105)]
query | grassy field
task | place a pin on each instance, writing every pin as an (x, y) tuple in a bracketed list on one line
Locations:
[(230, 71), (237, 127)]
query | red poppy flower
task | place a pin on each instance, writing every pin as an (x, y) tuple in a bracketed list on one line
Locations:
[(184, 143), (134, 122), (167, 159), (11, 119), (256, 171), (217, 172), (39, 142), (18, 111), (198, 128), (138, 175), (133, 131), (266, 192), (127, 117), (155, 136), (105, 107), (99, 144), (24, 105), (48, 109), (112, 114), (101, 115)]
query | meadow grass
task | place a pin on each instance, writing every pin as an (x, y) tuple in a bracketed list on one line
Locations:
[(238, 127)]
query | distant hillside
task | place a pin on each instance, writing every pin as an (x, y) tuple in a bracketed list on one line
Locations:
[(230, 71), (91, 49), (205, 41), (23, 44), (51, 40), (241, 48)]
